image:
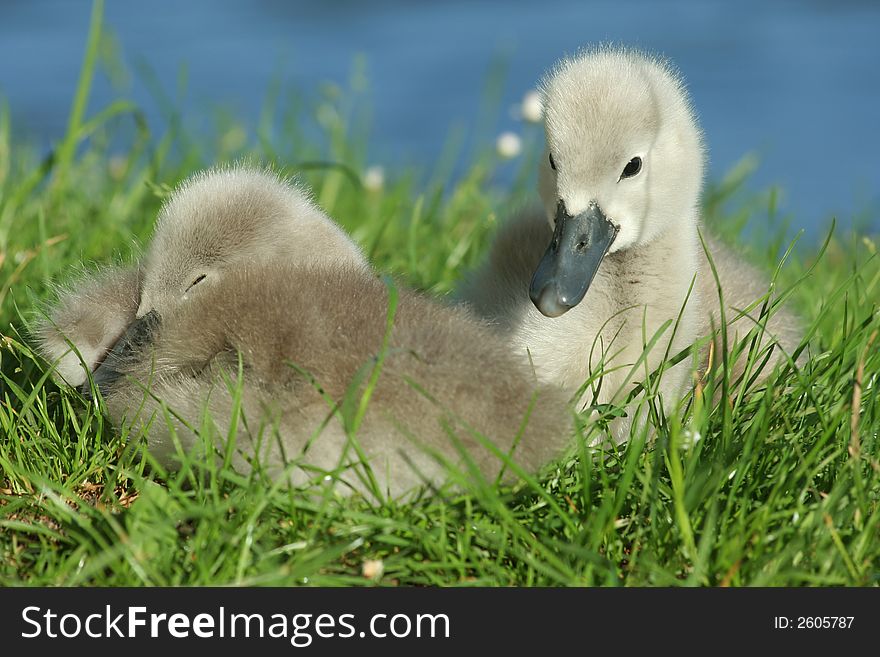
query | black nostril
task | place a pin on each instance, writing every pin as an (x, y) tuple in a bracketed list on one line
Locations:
[(582, 245)]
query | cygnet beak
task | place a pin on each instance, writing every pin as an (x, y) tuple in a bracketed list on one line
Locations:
[(139, 334), (150, 302), (565, 272)]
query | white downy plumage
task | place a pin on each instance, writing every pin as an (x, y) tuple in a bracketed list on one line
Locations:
[(620, 183)]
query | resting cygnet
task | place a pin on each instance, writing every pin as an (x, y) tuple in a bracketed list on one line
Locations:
[(616, 253), (221, 219), (306, 323)]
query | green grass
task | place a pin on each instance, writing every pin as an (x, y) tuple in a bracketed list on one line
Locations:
[(781, 488)]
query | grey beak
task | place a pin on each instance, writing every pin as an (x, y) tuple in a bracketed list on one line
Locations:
[(139, 334), (565, 272)]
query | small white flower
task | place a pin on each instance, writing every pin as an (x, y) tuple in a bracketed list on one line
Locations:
[(532, 108), (374, 178), (508, 145), (373, 568)]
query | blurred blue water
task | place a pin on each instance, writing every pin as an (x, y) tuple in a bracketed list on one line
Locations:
[(798, 83)]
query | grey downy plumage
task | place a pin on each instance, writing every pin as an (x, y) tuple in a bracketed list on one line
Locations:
[(254, 306)]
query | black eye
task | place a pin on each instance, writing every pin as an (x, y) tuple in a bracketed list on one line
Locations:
[(198, 280), (552, 163), (632, 168)]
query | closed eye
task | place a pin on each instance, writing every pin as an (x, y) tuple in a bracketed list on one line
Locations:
[(198, 280)]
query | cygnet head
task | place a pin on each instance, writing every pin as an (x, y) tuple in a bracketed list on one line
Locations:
[(226, 218), (623, 165)]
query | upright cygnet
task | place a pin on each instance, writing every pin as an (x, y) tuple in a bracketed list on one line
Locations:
[(616, 254), (278, 337)]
